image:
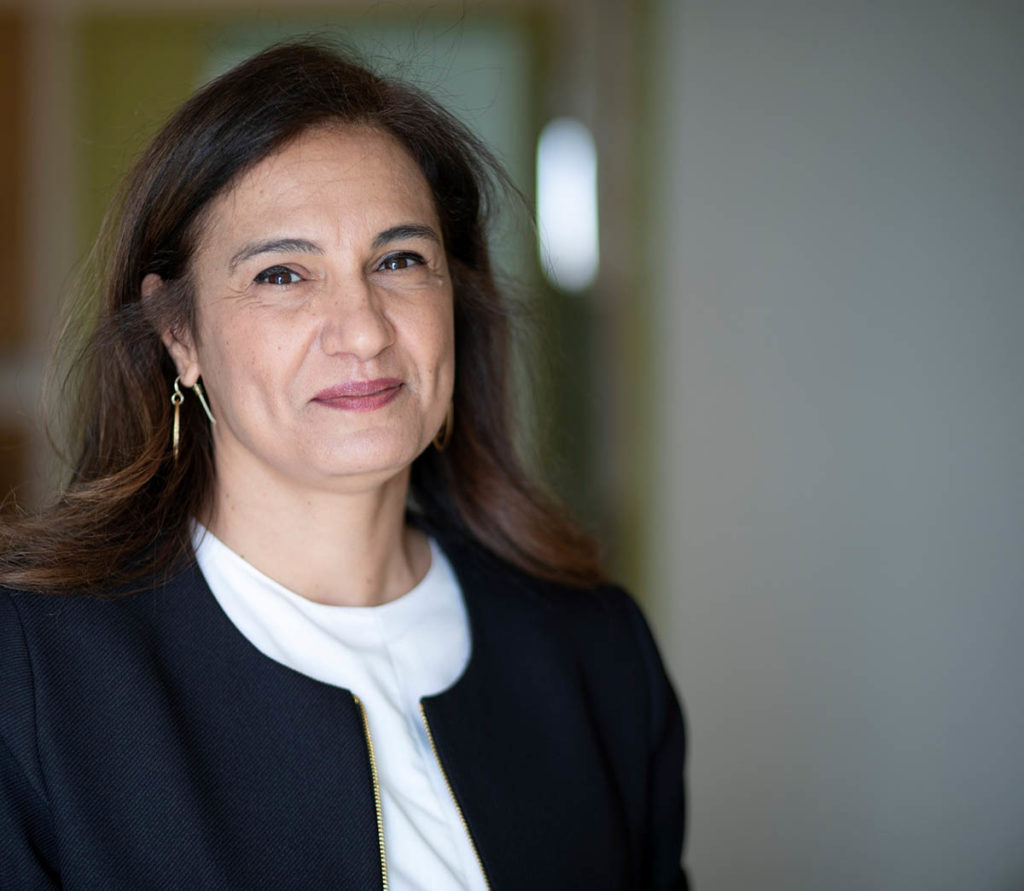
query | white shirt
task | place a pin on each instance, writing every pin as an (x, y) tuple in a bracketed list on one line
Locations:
[(389, 656)]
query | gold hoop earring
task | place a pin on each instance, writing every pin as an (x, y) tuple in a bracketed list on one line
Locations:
[(177, 397), (444, 435)]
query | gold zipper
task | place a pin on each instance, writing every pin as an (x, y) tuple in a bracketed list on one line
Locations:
[(376, 794), (451, 792)]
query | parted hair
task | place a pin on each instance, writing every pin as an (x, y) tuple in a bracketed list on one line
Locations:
[(124, 516)]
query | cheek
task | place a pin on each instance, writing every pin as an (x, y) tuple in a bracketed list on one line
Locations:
[(256, 334), (437, 355), (425, 331), (436, 335), (245, 355)]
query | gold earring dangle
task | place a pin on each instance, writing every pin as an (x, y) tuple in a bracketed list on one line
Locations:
[(444, 435), (197, 388), (177, 397)]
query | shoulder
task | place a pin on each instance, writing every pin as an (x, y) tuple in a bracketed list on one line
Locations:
[(619, 657), (60, 643), (590, 650), (599, 616), (63, 623), (43, 636), (27, 836), (64, 655), (15, 662), (602, 629), (18, 703)]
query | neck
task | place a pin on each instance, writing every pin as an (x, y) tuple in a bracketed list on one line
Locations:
[(350, 548)]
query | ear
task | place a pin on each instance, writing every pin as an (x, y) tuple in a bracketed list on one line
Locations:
[(179, 343)]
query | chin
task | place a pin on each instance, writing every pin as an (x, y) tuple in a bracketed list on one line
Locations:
[(367, 461)]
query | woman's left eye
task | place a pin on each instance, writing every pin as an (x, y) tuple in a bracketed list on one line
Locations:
[(278, 275), (396, 262)]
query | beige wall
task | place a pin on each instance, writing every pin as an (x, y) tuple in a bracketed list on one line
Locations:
[(836, 546)]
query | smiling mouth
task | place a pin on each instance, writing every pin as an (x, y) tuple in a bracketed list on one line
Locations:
[(360, 395)]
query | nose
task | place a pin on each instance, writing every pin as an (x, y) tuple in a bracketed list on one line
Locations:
[(354, 321)]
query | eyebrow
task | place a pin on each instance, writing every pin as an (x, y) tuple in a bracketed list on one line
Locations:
[(304, 246), (273, 245), (406, 230)]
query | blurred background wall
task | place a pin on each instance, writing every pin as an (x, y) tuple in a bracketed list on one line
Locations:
[(837, 552), (790, 401)]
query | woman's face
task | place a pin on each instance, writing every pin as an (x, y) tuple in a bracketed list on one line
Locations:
[(324, 321)]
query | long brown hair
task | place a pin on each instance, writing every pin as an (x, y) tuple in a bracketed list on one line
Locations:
[(125, 515)]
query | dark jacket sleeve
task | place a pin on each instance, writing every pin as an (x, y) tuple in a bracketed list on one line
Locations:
[(27, 843), (666, 761)]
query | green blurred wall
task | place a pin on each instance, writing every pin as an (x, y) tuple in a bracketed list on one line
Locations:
[(131, 73)]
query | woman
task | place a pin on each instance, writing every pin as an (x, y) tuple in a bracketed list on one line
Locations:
[(300, 620)]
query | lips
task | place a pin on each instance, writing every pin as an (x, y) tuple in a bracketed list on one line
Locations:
[(360, 395)]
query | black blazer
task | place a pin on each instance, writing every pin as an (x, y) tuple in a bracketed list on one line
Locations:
[(146, 744)]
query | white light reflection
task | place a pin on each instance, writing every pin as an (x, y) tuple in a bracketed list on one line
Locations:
[(567, 204)]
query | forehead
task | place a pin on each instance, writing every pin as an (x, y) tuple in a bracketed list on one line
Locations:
[(351, 173)]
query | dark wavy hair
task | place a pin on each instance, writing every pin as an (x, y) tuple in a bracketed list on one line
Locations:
[(124, 516)]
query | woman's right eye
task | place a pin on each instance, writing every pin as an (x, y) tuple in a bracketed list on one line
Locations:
[(277, 275)]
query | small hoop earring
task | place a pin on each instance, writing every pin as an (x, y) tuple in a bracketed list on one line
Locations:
[(444, 435), (177, 397)]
